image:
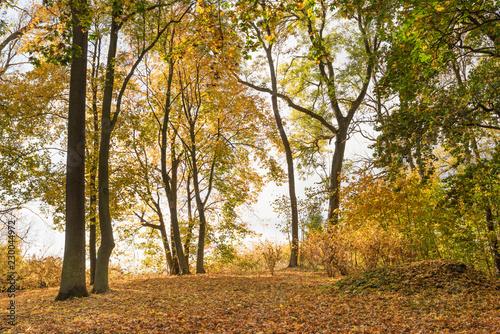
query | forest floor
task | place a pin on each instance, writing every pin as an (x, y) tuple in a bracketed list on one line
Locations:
[(429, 297)]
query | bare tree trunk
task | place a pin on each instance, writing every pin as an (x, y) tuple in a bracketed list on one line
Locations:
[(200, 205), (493, 238), (164, 239), (93, 240), (191, 221), (335, 177), (73, 271), (175, 265), (93, 189), (101, 284), (170, 182), (200, 256), (174, 221)]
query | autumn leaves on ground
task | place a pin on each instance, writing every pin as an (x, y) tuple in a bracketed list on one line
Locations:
[(429, 296)]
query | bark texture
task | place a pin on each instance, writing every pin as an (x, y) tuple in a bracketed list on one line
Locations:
[(73, 271)]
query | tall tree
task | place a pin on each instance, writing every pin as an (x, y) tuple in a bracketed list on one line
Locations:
[(274, 24), (73, 271), (140, 178), (170, 180), (108, 122), (203, 130), (330, 95), (442, 66), (97, 31), (213, 133), (101, 284)]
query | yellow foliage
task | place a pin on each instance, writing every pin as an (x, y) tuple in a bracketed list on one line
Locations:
[(270, 38), (381, 224)]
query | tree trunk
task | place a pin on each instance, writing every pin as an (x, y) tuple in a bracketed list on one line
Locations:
[(199, 204), (93, 246), (200, 256), (335, 177), (175, 270), (107, 241), (492, 236), (174, 221), (170, 183), (189, 236), (73, 271), (164, 239), (101, 284), (93, 189), (166, 247), (294, 254)]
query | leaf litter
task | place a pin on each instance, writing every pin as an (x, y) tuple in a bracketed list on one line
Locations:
[(417, 298)]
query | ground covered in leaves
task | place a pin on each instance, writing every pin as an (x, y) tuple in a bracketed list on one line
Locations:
[(430, 296), (418, 277)]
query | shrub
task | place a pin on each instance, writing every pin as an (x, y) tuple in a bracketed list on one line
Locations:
[(328, 249), (32, 273), (38, 272), (377, 246), (345, 250), (272, 252), (253, 258)]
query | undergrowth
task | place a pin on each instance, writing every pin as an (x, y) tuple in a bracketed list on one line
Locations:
[(417, 277)]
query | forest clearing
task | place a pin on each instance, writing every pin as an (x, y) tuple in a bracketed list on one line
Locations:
[(442, 300), (164, 138)]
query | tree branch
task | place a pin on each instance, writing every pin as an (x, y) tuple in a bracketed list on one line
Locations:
[(291, 104), (145, 223)]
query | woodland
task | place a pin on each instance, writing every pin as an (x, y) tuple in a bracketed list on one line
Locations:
[(158, 123)]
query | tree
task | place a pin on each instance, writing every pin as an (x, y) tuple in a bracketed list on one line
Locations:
[(218, 135), (108, 122), (264, 32), (326, 92), (170, 181), (30, 99), (441, 64), (73, 272), (207, 135), (140, 179), (475, 191), (107, 241), (93, 131)]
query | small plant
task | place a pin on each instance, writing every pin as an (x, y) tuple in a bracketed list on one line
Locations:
[(332, 250), (272, 253)]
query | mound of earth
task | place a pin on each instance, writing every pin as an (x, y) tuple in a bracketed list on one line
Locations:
[(448, 276)]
